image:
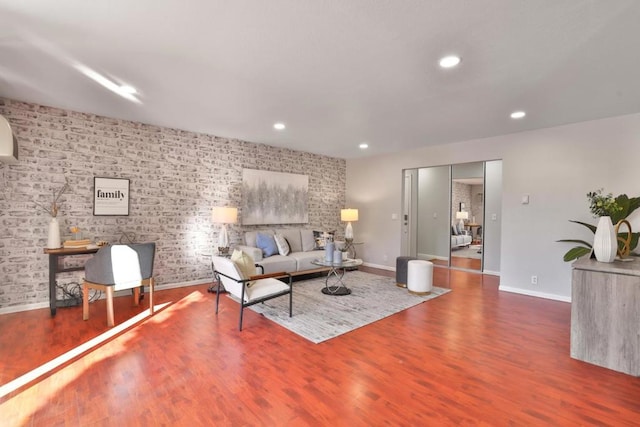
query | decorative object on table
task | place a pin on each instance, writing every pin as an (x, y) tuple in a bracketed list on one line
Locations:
[(617, 209), (461, 216), (53, 238), (337, 256), (274, 197), (329, 248), (110, 196), (76, 244), (224, 216), (76, 232), (604, 240), (348, 216)]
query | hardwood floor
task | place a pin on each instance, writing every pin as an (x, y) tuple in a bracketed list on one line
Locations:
[(475, 356)]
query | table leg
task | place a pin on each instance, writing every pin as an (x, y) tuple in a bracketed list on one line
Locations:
[(338, 288), (53, 268)]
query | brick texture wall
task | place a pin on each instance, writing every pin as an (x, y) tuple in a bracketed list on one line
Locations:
[(176, 177)]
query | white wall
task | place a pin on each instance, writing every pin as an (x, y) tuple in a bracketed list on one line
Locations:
[(492, 233), (556, 167)]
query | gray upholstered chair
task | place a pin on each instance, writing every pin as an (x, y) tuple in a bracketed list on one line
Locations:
[(118, 267), (251, 290)]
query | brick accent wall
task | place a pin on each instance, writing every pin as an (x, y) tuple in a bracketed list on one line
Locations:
[(176, 178)]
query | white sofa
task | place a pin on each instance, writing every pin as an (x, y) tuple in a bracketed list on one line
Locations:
[(459, 238), (303, 250)]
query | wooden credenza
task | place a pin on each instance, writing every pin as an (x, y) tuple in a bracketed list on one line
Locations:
[(605, 314)]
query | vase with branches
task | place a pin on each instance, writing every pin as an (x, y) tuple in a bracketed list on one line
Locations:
[(52, 210), (53, 238), (618, 209)]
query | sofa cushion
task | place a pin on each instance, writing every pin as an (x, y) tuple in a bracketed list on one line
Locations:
[(303, 259), (282, 244), (293, 238), (454, 230), (267, 243), (308, 241), (250, 237)]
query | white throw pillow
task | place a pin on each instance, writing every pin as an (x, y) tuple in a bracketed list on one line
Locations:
[(283, 245), (246, 265)]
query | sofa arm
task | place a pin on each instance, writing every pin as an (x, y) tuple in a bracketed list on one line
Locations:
[(253, 252)]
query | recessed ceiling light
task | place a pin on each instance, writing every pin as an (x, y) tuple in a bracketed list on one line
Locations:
[(279, 126), (363, 146), (518, 114), (449, 61)]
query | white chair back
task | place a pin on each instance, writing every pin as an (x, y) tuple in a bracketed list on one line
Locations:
[(229, 268)]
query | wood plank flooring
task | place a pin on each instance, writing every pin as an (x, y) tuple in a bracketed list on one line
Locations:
[(475, 356)]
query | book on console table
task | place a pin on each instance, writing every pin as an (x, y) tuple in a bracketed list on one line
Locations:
[(76, 244)]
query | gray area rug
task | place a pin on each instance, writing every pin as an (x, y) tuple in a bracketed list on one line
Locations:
[(319, 317), (470, 252)]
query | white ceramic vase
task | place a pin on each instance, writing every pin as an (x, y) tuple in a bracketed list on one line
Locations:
[(53, 241), (337, 257), (605, 244), (328, 251)]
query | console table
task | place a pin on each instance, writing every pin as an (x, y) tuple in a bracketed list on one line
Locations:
[(55, 268), (605, 308)]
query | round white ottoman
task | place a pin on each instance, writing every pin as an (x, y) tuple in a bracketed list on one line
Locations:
[(420, 277)]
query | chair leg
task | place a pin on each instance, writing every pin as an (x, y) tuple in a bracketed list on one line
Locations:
[(151, 286), (110, 321), (241, 312), (136, 296), (217, 296), (291, 303), (85, 302)]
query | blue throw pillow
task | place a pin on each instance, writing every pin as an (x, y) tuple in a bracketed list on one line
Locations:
[(267, 243)]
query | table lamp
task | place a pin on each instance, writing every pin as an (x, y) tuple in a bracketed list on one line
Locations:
[(224, 216), (348, 215), (462, 215)]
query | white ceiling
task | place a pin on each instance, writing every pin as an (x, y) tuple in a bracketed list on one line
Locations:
[(337, 72)]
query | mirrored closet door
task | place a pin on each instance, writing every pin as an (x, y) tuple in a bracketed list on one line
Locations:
[(467, 215), (444, 215)]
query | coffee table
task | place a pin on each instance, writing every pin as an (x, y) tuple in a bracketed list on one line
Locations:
[(336, 273)]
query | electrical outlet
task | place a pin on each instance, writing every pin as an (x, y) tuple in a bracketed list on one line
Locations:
[(534, 280)]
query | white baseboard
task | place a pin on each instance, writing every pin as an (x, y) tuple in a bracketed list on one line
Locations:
[(429, 256), (39, 305), (382, 267), (535, 294), (26, 307), (492, 273)]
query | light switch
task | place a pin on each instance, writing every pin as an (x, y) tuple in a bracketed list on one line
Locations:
[(394, 216), (525, 199), (435, 214), (494, 217)]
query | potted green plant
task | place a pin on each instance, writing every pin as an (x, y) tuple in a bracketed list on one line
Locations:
[(607, 209)]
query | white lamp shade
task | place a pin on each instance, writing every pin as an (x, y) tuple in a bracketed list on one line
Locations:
[(462, 215), (348, 215), (224, 215)]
